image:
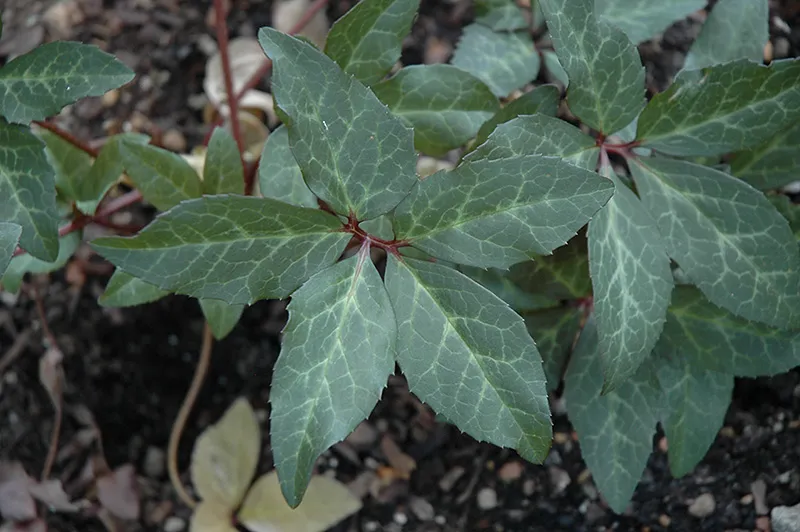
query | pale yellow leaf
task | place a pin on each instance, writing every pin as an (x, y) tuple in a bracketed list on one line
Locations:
[(211, 517), (287, 13), (326, 502), (225, 456)]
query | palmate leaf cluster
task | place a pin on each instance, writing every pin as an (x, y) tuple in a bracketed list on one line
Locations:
[(645, 286)]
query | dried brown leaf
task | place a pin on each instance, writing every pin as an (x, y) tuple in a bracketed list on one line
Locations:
[(52, 493), (118, 492), (16, 502)]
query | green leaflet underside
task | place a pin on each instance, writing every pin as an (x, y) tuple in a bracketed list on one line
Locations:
[(726, 236), (616, 429), (124, 290), (468, 355), (223, 172), (164, 178), (543, 99), (562, 275), (773, 163), (554, 330), (338, 352), (22, 264), (497, 282), (500, 15), (642, 20), (70, 164), (237, 249), (222, 317), (279, 176), (105, 171)]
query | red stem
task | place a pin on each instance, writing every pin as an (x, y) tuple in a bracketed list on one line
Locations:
[(49, 126), (390, 246)]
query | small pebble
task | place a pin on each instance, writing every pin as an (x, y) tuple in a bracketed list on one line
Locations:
[(594, 512), (421, 508), (702, 506), (440, 520), (560, 438), (371, 526), (784, 477), (759, 490), (559, 479), (747, 499), (781, 48), (364, 435), (664, 520), (511, 471), (728, 432), (487, 499), (153, 462), (400, 518), (174, 140), (110, 98), (174, 524), (450, 478), (528, 487)]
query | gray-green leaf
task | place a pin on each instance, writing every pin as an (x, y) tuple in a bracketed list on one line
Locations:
[(504, 61), (105, 171), (164, 178), (726, 236), (642, 20), (615, 430), (27, 191), (234, 248), (632, 283), (38, 84), (26, 263), (125, 290), (279, 176), (500, 15), (773, 163), (789, 210), (354, 154), (713, 339), (223, 172), (338, 351), (696, 403), (554, 331), (731, 107), (468, 355), (562, 275), (606, 76), (444, 104), (367, 41), (496, 213), (497, 282), (222, 317), (9, 238), (543, 100), (72, 167), (735, 29)]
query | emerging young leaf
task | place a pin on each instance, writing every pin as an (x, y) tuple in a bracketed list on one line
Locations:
[(27, 191), (726, 236), (554, 331), (500, 15), (444, 104), (496, 213), (504, 61), (773, 163), (642, 20), (354, 154), (735, 29), (616, 429), (9, 238), (326, 503), (713, 339), (279, 176), (696, 402), (70, 164), (27, 263), (223, 172), (222, 317), (338, 351), (124, 290), (225, 456), (367, 41), (632, 283), (731, 107), (234, 248), (543, 99), (606, 76), (468, 355), (539, 135), (164, 178), (38, 84), (105, 171), (562, 275), (497, 282)]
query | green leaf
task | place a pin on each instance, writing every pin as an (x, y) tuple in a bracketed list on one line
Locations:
[(497, 282), (726, 236), (338, 352), (105, 171), (444, 104), (696, 402), (616, 429), (713, 339), (606, 89), (221, 316), (468, 355), (554, 331), (26, 263), (279, 176), (164, 178), (354, 154), (27, 191), (124, 290), (641, 20), (504, 61), (71, 165), (366, 42), (553, 66), (9, 238), (562, 275), (631, 280), (773, 163), (500, 15), (789, 210), (380, 227), (223, 172), (731, 107), (543, 99), (735, 29), (539, 135), (234, 248), (498, 213), (38, 84)]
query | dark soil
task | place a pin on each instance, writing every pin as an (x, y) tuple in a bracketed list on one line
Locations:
[(131, 367)]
